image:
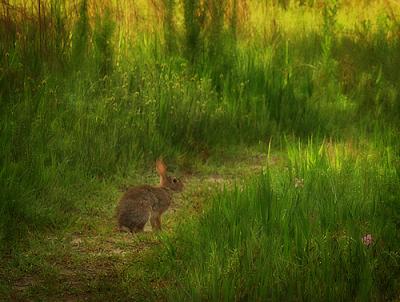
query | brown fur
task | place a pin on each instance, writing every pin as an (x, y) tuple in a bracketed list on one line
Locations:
[(140, 203)]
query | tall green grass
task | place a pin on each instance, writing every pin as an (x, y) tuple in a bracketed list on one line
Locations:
[(296, 233), (83, 99)]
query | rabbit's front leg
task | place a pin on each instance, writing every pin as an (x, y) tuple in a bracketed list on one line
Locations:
[(155, 220)]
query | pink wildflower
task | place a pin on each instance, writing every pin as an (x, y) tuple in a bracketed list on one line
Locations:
[(367, 240)]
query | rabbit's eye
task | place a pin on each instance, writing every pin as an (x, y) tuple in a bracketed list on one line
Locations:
[(174, 180)]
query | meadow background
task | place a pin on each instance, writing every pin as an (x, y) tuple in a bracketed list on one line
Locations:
[(92, 92)]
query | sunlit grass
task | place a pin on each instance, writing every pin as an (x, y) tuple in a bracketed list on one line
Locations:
[(296, 233), (93, 94)]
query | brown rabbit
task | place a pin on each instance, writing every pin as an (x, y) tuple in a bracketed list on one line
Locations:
[(138, 203)]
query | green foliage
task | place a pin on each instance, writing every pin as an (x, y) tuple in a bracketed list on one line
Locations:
[(80, 104), (328, 66), (234, 19), (84, 100), (217, 11), (103, 48), (292, 235), (170, 35), (80, 37), (192, 20)]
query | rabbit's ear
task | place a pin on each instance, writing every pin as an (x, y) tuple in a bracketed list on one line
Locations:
[(161, 170)]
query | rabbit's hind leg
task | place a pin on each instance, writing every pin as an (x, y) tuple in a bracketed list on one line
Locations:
[(134, 220), (124, 229), (139, 222)]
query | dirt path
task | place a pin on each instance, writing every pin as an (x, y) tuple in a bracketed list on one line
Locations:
[(91, 261)]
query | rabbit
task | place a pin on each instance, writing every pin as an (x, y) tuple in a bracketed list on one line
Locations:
[(140, 203)]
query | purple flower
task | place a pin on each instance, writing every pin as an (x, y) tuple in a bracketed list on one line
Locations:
[(367, 240)]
